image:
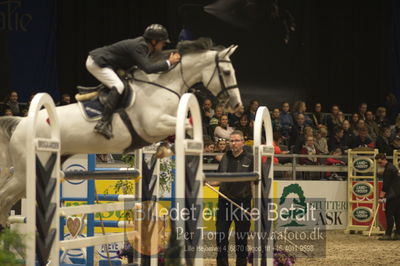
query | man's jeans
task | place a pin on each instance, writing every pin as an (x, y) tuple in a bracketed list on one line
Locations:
[(226, 214)]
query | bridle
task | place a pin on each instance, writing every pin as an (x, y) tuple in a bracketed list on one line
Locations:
[(223, 95)]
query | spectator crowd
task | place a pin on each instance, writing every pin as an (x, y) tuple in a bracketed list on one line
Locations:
[(12, 107), (297, 131)]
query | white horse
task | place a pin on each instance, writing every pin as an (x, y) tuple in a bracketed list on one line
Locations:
[(153, 115)]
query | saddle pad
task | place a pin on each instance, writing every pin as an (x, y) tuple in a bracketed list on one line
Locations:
[(91, 109)]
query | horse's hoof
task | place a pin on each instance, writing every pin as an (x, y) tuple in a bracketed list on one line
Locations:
[(163, 151), (160, 152)]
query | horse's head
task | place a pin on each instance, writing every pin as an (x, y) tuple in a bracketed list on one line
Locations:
[(213, 68), (220, 79)]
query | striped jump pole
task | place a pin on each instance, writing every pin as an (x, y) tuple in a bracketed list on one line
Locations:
[(263, 244), (42, 183), (101, 175), (189, 179)]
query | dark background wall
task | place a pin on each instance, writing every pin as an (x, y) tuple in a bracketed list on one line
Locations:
[(27, 47), (341, 51)]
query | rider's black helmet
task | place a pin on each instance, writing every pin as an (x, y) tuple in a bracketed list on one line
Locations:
[(156, 32)]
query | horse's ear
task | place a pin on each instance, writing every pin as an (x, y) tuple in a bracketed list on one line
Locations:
[(234, 47), (229, 51)]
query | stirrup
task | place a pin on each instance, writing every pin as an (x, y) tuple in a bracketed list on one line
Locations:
[(104, 128)]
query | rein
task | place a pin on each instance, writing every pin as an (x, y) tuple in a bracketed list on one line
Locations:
[(157, 85), (224, 90)]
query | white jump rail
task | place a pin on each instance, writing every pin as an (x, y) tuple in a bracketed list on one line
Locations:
[(124, 202), (44, 145), (41, 144), (40, 147), (263, 121), (183, 147)]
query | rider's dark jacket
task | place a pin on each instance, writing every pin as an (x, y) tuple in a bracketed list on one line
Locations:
[(126, 54)]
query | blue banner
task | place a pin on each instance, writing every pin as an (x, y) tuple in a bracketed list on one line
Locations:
[(28, 34)]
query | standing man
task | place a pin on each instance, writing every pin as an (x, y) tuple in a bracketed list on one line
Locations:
[(207, 112), (254, 104), (362, 109), (103, 62), (297, 130), (390, 191), (276, 121), (286, 121), (235, 160), (332, 121)]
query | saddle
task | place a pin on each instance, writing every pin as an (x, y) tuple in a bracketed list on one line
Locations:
[(90, 100), (88, 93)]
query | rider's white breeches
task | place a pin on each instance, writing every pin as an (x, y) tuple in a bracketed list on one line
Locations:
[(105, 75)]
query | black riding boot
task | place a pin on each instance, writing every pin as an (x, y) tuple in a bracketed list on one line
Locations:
[(110, 103)]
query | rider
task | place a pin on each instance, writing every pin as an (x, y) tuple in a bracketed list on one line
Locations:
[(103, 62)]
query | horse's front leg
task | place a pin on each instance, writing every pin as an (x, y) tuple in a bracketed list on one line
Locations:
[(167, 124)]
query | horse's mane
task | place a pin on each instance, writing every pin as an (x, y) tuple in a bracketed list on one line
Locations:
[(189, 47), (200, 45)]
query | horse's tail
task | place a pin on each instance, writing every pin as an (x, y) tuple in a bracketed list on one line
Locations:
[(7, 127)]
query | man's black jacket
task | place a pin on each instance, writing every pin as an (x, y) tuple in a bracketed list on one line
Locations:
[(391, 181), (237, 191)]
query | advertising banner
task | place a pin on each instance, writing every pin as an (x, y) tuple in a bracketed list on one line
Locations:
[(330, 210)]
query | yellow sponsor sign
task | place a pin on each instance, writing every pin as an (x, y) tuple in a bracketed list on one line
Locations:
[(210, 204)]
